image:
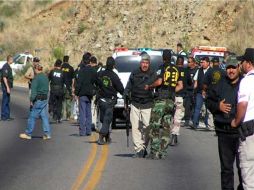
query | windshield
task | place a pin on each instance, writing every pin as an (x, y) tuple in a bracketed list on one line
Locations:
[(130, 63), (16, 57)]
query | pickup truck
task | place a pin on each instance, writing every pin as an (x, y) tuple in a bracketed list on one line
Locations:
[(19, 62)]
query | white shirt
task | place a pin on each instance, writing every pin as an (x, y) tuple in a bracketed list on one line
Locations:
[(196, 74), (246, 94), (182, 53)]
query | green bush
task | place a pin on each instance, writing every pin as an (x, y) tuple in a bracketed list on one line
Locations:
[(58, 52), (2, 25), (11, 9), (42, 2), (81, 28)]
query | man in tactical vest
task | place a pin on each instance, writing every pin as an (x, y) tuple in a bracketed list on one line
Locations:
[(141, 104), (68, 75), (109, 84), (169, 82), (56, 80)]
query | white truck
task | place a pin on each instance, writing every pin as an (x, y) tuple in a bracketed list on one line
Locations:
[(20, 60)]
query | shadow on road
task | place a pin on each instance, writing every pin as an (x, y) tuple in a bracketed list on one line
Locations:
[(124, 155)]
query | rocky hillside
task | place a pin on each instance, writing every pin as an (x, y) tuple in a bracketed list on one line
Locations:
[(51, 28)]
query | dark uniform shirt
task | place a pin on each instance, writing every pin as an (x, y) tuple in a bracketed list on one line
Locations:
[(40, 86), (68, 74), (170, 75), (186, 78), (212, 78), (109, 84), (56, 80), (7, 72)]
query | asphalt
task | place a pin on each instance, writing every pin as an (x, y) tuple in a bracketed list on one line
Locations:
[(57, 164)]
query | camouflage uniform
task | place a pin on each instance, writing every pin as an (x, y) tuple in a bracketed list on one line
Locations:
[(163, 111)]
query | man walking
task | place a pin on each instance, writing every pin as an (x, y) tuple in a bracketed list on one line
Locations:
[(169, 82), (244, 119), (38, 102), (7, 84), (109, 84), (221, 101), (141, 104)]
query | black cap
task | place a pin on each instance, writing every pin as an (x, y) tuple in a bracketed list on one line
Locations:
[(166, 55), (58, 63), (86, 58), (110, 63), (36, 59), (66, 59), (248, 55), (216, 60)]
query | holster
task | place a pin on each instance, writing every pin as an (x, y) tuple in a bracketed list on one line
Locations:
[(246, 129)]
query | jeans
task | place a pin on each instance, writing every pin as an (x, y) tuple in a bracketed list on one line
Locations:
[(85, 116), (228, 152), (39, 109), (5, 112), (199, 103)]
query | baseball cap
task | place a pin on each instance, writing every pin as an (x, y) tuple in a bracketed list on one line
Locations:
[(231, 61), (145, 57), (248, 55)]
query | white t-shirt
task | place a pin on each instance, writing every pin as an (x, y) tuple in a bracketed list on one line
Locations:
[(246, 94)]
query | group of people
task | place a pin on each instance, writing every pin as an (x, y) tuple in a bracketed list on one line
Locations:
[(160, 103)]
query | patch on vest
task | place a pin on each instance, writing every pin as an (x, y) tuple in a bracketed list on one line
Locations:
[(216, 77), (106, 81)]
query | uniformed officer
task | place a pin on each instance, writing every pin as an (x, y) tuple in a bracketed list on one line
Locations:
[(179, 112), (7, 84), (38, 101), (169, 81), (141, 104), (109, 84), (56, 80), (245, 118), (68, 75), (221, 101)]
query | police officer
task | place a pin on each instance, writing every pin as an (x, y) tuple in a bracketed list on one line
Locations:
[(141, 104), (84, 91), (7, 84), (56, 80), (38, 101), (109, 84), (221, 101), (169, 81), (68, 75), (245, 118), (179, 112)]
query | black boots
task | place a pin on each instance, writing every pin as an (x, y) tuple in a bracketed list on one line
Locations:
[(101, 140), (173, 141)]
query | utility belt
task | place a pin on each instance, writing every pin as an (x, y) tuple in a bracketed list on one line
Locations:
[(165, 94), (246, 129), (41, 97), (141, 100), (109, 100)]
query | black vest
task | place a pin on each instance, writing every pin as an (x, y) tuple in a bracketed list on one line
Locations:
[(201, 77), (56, 81), (138, 80)]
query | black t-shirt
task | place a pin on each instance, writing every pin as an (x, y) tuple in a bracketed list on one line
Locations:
[(212, 78), (186, 78), (7, 72)]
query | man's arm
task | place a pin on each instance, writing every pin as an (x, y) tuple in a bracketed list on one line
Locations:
[(29, 74), (241, 111), (179, 86), (156, 83), (7, 85)]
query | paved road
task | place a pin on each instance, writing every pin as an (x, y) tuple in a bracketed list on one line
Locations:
[(68, 161)]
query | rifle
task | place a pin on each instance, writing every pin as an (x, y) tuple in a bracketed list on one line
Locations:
[(127, 118)]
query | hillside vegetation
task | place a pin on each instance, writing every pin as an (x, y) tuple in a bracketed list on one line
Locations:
[(50, 29)]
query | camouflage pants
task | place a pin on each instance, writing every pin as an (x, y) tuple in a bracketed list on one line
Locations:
[(66, 110), (161, 116)]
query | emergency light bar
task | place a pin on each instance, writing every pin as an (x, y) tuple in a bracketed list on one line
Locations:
[(212, 48)]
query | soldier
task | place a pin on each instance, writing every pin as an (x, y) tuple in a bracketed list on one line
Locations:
[(7, 84), (141, 104), (169, 82), (221, 101), (84, 91), (38, 101), (244, 119), (179, 112), (68, 75), (56, 90), (109, 84)]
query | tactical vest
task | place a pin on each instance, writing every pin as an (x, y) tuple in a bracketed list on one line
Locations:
[(139, 79), (170, 78), (56, 83), (200, 80)]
